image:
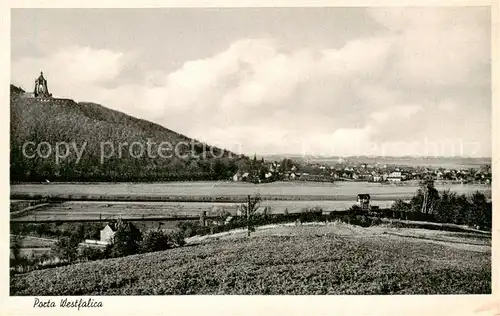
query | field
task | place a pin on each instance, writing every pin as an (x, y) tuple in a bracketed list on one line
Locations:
[(201, 191), (35, 242), (85, 210), (33, 245), (187, 199), (332, 259)]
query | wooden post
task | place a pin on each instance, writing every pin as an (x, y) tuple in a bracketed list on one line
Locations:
[(203, 218), (248, 216)]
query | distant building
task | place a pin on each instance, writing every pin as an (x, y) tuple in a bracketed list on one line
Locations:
[(41, 87), (107, 234), (240, 176), (364, 201), (394, 176)]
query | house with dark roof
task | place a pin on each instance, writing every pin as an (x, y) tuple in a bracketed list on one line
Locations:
[(364, 201)]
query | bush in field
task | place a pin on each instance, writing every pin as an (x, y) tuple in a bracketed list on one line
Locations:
[(401, 206), (191, 228), (376, 221), (311, 214), (90, 254), (360, 220), (66, 248), (156, 240), (355, 210), (178, 238)]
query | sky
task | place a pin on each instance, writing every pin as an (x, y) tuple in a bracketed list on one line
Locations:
[(312, 81)]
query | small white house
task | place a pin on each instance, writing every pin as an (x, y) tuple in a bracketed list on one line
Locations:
[(107, 234)]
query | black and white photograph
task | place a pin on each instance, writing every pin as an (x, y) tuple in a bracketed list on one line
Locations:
[(249, 151)]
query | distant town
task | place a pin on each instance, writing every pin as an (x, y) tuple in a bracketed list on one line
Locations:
[(344, 170)]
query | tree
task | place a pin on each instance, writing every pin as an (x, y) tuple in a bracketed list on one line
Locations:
[(480, 211), (426, 199), (17, 241), (447, 209), (249, 209), (66, 248), (126, 240)]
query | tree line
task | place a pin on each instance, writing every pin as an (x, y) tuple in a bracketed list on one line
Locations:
[(447, 207)]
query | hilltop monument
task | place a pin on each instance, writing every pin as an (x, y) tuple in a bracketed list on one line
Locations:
[(41, 89)]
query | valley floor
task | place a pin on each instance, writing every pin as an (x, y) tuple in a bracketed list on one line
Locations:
[(333, 258)]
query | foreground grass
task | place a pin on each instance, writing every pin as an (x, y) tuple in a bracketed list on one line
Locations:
[(307, 264)]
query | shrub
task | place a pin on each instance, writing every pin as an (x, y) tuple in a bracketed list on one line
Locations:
[(355, 210), (401, 206), (90, 254), (66, 248), (126, 240), (156, 240), (178, 238), (361, 220), (376, 221)]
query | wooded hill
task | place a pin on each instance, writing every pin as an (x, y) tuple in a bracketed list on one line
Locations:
[(57, 121)]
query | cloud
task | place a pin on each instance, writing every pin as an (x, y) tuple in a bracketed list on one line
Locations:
[(413, 82), (73, 72), (444, 46)]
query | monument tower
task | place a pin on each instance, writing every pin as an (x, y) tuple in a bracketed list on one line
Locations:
[(41, 89)]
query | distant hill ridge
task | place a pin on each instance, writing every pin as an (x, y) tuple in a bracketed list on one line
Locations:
[(48, 120)]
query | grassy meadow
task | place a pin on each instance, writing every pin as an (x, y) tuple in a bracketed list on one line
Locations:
[(331, 259)]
